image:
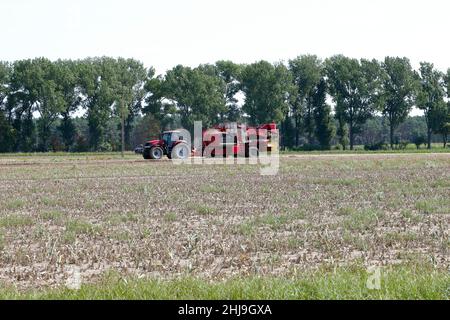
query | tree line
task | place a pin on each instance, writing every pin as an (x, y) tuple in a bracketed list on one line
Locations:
[(316, 102)]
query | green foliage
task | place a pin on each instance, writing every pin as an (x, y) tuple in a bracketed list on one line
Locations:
[(307, 71), (156, 106), (342, 132), (447, 82), (430, 97), (322, 116), (36, 85), (40, 100), (353, 86), (6, 130), (376, 146), (288, 132), (5, 77), (67, 78), (95, 85), (267, 88), (440, 121), (68, 131), (128, 87), (230, 73), (398, 88), (145, 128), (7, 134), (419, 140), (195, 94)]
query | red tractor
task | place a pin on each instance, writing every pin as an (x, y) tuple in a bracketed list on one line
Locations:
[(171, 144)]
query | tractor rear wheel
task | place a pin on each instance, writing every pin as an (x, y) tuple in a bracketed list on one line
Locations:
[(156, 153), (181, 152)]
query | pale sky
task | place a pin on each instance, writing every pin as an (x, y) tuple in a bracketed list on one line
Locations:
[(168, 32)]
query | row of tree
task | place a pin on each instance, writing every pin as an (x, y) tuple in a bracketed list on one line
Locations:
[(314, 101)]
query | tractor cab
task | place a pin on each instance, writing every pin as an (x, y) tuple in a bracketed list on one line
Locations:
[(170, 137)]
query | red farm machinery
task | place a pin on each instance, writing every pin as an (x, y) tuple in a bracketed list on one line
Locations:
[(219, 141)]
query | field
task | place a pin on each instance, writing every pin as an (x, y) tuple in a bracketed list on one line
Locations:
[(138, 229)]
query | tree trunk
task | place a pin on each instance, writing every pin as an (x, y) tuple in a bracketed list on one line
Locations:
[(122, 124), (297, 130), (429, 138), (310, 137), (128, 130), (296, 121), (310, 124), (391, 127), (350, 128), (444, 138), (65, 120)]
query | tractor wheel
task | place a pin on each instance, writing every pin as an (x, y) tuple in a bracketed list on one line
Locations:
[(146, 155), (156, 153), (181, 152)]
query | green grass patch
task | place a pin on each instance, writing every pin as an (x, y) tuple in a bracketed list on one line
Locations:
[(205, 210), (2, 240), (336, 182), (357, 241), (16, 221), (170, 217), (436, 148), (81, 227), (245, 228), (277, 221), (211, 188), (49, 201), (410, 215), (433, 206), (400, 238), (362, 220), (441, 183), (274, 221), (346, 211), (52, 215), (119, 218), (15, 204), (121, 236), (400, 282)]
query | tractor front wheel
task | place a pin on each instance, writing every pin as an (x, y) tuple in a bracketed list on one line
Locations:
[(156, 153)]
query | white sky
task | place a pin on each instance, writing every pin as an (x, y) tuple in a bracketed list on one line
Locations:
[(168, 32)]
